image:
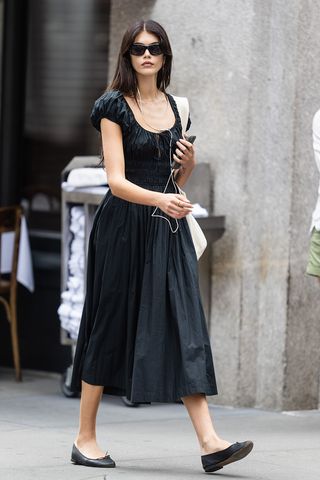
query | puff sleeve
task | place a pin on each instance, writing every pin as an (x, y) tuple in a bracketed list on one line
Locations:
[(109, 106)]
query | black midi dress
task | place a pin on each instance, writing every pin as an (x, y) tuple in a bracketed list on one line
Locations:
[(143, 332)]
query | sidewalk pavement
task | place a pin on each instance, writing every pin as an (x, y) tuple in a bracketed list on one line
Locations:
[(38, 425)]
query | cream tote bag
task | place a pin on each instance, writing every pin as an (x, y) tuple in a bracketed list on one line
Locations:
[(199, 240)]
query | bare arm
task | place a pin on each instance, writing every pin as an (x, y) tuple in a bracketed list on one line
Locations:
[(316, 138), (175, 205)]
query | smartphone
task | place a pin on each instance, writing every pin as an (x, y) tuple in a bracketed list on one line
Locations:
[(190, 139)]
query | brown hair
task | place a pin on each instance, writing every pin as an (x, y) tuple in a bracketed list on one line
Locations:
[(124, 78)]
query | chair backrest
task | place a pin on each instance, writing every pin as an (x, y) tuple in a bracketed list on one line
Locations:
[(10, 221)]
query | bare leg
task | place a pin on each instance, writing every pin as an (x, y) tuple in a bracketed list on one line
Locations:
[(86, 440), (198, 410)]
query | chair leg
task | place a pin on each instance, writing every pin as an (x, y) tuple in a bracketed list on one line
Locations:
[(15, 343)]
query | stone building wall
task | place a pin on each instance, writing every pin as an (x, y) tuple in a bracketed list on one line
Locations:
[(251, 71)]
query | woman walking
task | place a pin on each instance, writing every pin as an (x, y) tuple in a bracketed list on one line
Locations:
[(143, 333)]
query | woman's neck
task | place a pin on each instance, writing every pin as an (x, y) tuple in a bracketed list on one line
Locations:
[(148, 88)]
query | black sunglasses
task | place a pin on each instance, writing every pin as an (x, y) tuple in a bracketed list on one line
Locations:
[(139, 49)]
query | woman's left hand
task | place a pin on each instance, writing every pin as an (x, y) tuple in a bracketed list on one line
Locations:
[(185, 154)]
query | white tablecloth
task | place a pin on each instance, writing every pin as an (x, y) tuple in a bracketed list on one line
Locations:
[(25, 270)]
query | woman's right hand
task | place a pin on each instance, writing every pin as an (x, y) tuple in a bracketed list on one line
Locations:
[(175, 205)]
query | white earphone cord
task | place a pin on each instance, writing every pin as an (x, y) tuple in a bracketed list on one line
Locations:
[(171, 177)]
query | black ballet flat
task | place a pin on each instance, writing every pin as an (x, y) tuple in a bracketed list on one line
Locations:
[(215, 461), (79, 459)]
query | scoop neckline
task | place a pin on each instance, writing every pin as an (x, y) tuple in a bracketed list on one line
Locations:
[(173, 108)]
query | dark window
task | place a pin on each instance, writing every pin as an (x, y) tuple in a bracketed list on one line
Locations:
[(66, 70)]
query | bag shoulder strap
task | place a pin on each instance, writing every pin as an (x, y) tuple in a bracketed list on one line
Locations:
[(183, 109)]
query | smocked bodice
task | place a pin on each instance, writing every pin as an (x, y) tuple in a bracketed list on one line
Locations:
[(146, 153)]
